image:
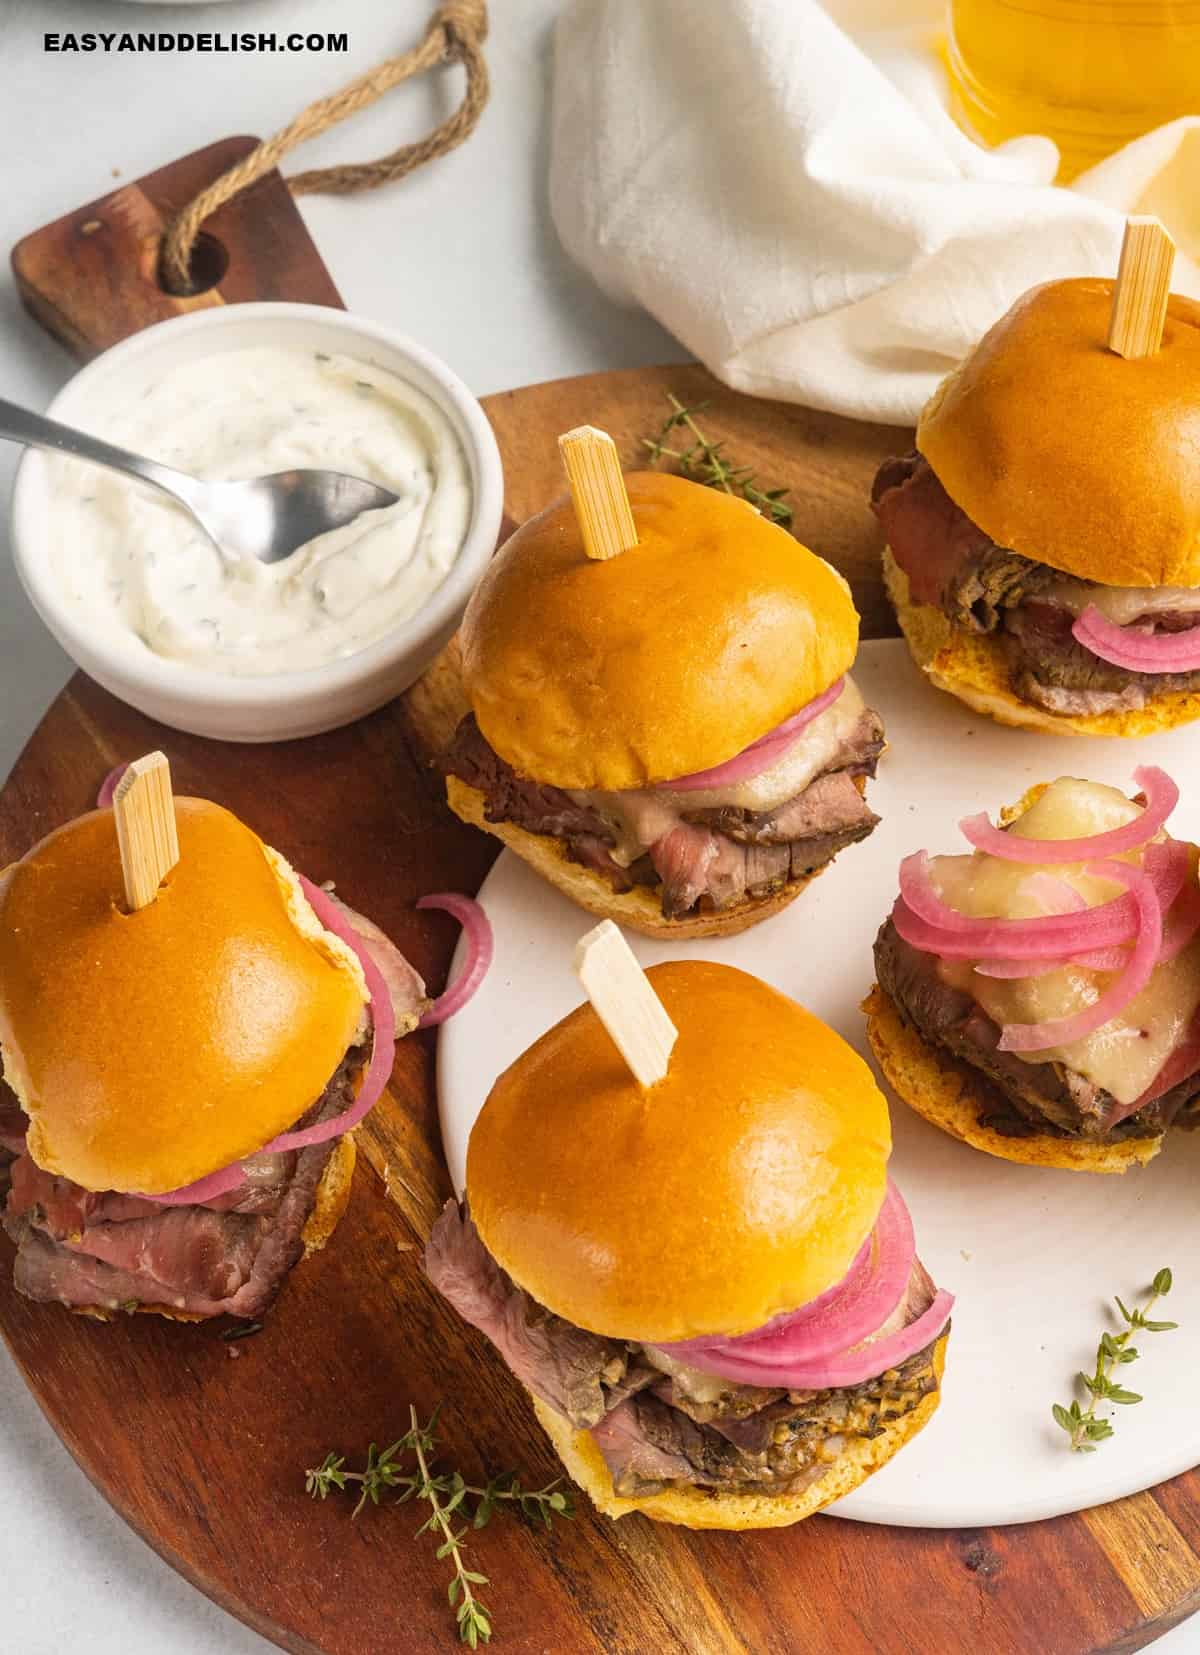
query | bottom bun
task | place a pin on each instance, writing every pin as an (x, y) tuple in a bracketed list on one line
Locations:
[(333, 1193), (639, 909), (950, 1094), (698, 1508), (972, 667)]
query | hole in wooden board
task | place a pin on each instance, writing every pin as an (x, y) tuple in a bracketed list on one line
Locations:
[(207, 267)]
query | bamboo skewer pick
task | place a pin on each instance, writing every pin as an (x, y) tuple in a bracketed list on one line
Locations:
[(1143, 286), (144, 809), (598, 491), (625, 1003)]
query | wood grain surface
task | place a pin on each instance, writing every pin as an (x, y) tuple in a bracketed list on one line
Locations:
[(202, 1445), (92, 277)]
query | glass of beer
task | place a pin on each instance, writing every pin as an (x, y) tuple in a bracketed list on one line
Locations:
[(1091, 74)]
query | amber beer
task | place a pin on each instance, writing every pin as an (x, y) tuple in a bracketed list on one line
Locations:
[(1091, 74)]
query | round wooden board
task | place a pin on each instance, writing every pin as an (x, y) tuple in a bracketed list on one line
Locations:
[(202, 1445)]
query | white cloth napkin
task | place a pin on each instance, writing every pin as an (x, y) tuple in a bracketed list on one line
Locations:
[(798, 206)]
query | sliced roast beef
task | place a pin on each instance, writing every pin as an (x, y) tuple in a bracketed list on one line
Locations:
[(656, 1421), (108, 1251), (1015, 1098), (954, 566), (574, 1371), (649, 1444), (12, 1122), (405, 988), (950, 563), (831, 806), (513, 798), (1052, 671), (707, 858), (12, 1135)]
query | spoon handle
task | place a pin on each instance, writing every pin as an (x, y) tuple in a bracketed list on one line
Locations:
[(21, 425)]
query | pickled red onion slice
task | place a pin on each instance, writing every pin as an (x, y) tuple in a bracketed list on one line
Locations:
[(1134, 648), (370, 1089), (865, 1362), (1099, 959), (840, 1317), (1162, 796), (383, 1039), (204, 1189), (1061, 1031), (481, 946), (1102, 959), (1056, 894), (109, 785), (1056, 934), (928, 923), (1181, 924), (761, 754)]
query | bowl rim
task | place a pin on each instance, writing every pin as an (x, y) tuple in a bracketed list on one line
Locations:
[(155, 677)]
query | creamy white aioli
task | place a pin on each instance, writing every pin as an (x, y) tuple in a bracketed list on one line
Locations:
[(1127, 1053), (143, 574), (643, 815)]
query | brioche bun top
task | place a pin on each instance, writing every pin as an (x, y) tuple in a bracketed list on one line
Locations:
[(666, 659), (740, 1186), (1070, 454), (152, 1048)]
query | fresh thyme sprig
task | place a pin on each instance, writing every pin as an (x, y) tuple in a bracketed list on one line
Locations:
[(445, 1494), (1082, 1425), (705, 462)]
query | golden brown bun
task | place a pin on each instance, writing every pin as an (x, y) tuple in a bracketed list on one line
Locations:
[(637, 910), (695, 1508), (437, 704), (740, 1186), (1069, 454), (948, 1094), (333, 1193), (971, 667), (152, 1048), (664, 660)]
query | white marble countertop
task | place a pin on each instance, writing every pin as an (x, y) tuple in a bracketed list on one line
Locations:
[(463, 257)]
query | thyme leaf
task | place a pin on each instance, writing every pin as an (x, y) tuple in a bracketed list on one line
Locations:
[(1085, 1428), (704, 461), (406, 1468)]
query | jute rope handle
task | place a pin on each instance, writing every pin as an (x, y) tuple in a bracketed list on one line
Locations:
[(456, 34)]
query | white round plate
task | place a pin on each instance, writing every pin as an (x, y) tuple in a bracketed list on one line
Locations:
[(1032, 1255)]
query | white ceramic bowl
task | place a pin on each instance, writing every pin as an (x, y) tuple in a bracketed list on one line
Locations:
[(283, 705)]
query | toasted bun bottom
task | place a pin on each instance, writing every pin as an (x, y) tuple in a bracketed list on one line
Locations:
[(971, 666), (639, 909), (696, 1508), (948, 1093), (333, 1193)]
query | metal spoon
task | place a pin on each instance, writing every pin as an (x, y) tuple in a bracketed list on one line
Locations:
[(264, 517)]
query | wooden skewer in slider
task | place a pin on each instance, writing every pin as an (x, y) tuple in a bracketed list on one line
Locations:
[(144, 808), (598, 492), (625, 1002), (1143, 286)]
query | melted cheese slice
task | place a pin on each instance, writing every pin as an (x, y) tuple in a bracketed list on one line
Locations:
[(1126, 1054), (641, 816), (1123, 604)]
